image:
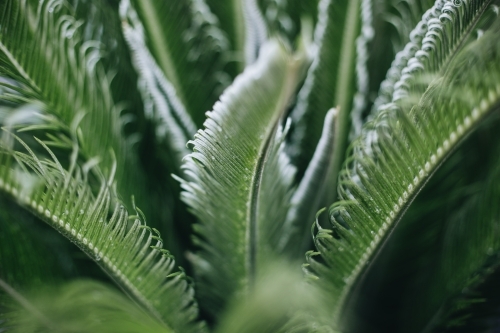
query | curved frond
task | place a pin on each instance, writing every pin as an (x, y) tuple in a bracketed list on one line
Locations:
[(286, 17), (63, 73), (184, 38), (173, 123), (245, 27), (121, 244), (434, 42), (255, 30), (225, 175), (393, 160)]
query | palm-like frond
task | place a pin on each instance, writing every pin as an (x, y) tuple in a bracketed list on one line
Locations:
[(285, 17), (187, 44), (133, 256), (231, 19), (243, 22), (225, 174), (435, 41), (173, 124), (310, 192), (394, 158), (63, 73)]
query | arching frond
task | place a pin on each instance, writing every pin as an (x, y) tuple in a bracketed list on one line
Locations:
[(173, 123), (225, 175), (393, 160), (101, 23), (79, 306), (121, 244), (63, 73), (255, 30), (433, 43), (188, 46), (245, 27), (230, 16)]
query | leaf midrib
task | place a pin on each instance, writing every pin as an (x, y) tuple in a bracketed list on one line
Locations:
[(253, 223), (350, 290)]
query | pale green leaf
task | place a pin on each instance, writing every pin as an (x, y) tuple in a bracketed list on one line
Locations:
[(225, 173)]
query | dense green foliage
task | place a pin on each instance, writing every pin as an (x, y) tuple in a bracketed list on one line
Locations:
[(345, 177)]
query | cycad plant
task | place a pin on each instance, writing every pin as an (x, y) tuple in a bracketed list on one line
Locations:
[(327, 189)]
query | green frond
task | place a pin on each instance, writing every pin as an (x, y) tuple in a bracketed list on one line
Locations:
[(225, 175), (392, 161), (122, 245), (275, 199), (307, 197), (403, 56), (185, 40), (79, 306), (403, 16), (230, 16), (329, 83), (173, 123), (403, 283), (63, 73), (443, 31), (101, 22)]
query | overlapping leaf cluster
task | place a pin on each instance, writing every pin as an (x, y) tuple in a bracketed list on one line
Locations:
[(264, 111)]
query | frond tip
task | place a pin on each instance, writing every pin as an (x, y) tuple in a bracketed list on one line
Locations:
[(226, 169)]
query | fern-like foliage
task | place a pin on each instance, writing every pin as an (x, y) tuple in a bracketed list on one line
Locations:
[(224, 187), (187, 44), (63, 73), (81, 198), (394, 158), (133, 256)]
